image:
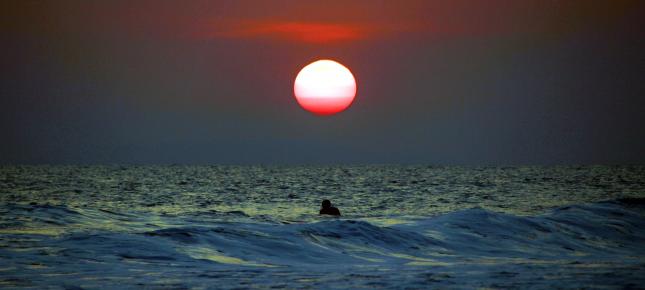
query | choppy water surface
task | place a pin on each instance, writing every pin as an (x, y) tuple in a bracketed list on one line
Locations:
[(257, 227)]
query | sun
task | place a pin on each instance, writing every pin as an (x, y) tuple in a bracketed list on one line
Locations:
[(325, 87)]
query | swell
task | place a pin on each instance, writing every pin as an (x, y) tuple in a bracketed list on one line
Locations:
[(597, 231)]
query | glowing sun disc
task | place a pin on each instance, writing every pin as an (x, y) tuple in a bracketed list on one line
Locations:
[(325, 87)]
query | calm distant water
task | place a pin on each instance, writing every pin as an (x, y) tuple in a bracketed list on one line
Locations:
[(257, 227)]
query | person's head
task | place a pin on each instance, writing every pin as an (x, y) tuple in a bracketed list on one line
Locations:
[(326, 203)]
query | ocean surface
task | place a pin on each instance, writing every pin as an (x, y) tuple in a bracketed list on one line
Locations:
[(404, 227)]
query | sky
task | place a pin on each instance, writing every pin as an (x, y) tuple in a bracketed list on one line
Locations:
[(211, 82)]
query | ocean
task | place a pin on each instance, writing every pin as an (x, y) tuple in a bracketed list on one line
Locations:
[(402, 227)]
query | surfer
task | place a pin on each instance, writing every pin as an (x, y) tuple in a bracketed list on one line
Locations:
[(328, 209)]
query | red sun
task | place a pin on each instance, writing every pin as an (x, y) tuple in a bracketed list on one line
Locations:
[(325, 87)]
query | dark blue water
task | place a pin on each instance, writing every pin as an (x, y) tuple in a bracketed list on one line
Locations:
[(257, 227)]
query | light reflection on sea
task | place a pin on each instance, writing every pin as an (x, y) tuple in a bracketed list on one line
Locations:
[(243, 226)]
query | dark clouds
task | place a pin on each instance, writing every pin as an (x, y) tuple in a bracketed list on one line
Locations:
[(468, 82)]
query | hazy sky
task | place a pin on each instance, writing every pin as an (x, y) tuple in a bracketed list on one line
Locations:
[(439, 82)]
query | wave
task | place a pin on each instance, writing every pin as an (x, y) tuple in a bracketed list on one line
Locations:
[(606, 230), (598, 229)]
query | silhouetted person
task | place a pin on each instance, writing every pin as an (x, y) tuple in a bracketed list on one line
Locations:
[(328, 209)]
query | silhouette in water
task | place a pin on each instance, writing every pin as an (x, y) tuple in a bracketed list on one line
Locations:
[(328, 209)]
